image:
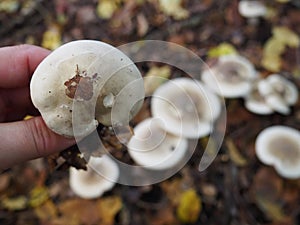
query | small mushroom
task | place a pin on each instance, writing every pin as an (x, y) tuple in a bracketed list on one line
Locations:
[(154, 148), (186, 106), (280, 146), (252, 10), (255, 103), (274, 93), (101, 175), (89, 74), (231, 77)]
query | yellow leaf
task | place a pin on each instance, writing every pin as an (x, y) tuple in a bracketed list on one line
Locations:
[(173, 8), (155, 77), (38, 196), (222, 49), (9, 6), (271, 62), (28, 117), (272, 51), (283, 1), (189, 207), (15, 203), (286, 36), (106, 8), (108, 208), (273, 46), (47, 211), (234, 154), (52, 38)]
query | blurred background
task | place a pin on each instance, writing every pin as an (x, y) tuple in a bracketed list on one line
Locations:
[(237, 188)]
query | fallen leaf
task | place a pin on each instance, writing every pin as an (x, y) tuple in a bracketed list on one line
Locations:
[(108, 208), (286, 36), (189, 207), (47, 211), (9, 6), (173, 8), (272, 209), (272, 51), (275, 46), (221, 49), (52, 37), (267, 189), (14, 203), (80, 211), (283, 1), (234, 154), (271, 62), (164, 216), (106, 8), (38, 196), (142, 24), (4, 181)]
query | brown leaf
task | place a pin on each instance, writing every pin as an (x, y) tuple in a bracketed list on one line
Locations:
[(142, 25), (4, 181), (47, 211), (267, 190), (165, 216), (83, 211)]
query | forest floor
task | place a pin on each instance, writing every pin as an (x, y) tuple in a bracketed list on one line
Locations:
[(235, 189)]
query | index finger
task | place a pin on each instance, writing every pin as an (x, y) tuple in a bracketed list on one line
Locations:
[(17, 64)]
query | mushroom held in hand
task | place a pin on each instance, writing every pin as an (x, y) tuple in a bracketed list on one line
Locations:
[(274, 93), (186, 106), (280, 146), (89, 184), (155, 149), (231, 77), (90, 74)]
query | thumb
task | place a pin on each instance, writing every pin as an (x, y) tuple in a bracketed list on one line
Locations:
[(25, 140)]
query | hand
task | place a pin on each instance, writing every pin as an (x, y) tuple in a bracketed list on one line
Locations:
[(22, 140)]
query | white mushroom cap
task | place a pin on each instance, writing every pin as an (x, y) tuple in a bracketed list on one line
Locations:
[(186, 106), (278, 92), (92, 184), (88, 73), (280, 146), (154, 148), (231, 77), (274, 93), (284, 87), (250, 9), (256, 104)]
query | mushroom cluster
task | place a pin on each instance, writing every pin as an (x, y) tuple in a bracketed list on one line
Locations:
[(182, 109), (280, 146), (234, 76), (274, 93), (89, 74)]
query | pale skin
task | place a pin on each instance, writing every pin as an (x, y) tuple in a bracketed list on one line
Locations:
[(23, 140)]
